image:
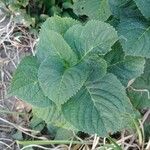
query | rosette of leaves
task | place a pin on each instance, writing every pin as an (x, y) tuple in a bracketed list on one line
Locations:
[(78, 77)]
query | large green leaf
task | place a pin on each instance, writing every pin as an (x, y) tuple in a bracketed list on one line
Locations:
[(101, 107), (58, 82), (95, 9), (144, 6), (95, 36), (140, 91), (25, 83), (135, 37), (51, 43)]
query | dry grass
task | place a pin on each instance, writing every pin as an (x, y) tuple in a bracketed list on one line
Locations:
[(15, 43)]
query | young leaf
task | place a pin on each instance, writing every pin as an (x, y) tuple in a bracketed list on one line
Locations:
[(95, 36), (25, 83), (135, 37), (95, 9), (58, 24), (97, 106), (144, 7), (51, 42), (58, 82)]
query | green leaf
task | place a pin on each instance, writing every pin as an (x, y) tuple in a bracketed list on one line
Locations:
[(25, 83), (52, 43), (125, 68), (140, 91), (37, 124), (101, 107), (58, 24), (135, 37), (58, 82), (23, 3), (95, 9), (144, 7), (128, 69), (115, 55), (124, 8), (64, 134), (139, 98), (97, 67), (50, 114), (95, 36)]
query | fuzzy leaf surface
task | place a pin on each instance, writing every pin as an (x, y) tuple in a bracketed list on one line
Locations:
[(60, 83), (58, 24), (140, 91), (51, 43), (96, 107), (25, 83), (124, 8), (115, 55), (52, 115), (125, 68), (95, 9), (135, 37), (144, 7), (95, 36), (97, 67)]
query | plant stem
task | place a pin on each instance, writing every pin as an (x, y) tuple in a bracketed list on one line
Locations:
[(47, 142), (112, 141), (11, 112), (140, 137)]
